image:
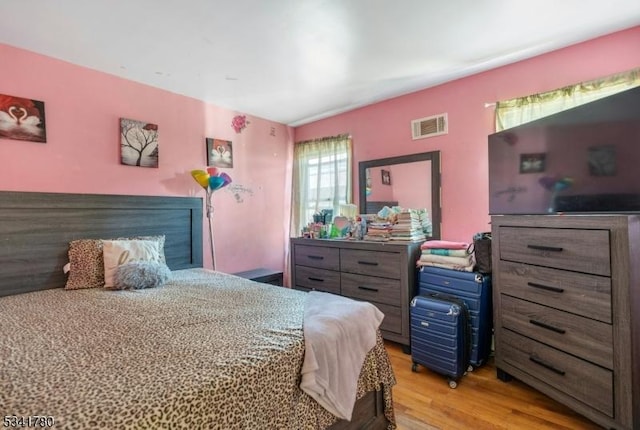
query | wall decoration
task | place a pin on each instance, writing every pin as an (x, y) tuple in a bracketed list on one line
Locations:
[(219, 153), (239, 191), (602, 160), (138, 143), (22, 119), (239, 123), (386, 177), (532, 163)]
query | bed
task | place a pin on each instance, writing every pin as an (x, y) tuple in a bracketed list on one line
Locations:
[(206, 350)]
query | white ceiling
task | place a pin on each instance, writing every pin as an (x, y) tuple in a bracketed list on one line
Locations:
[(295, 61)]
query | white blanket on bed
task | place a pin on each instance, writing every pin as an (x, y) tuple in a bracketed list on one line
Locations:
[(338, 333)]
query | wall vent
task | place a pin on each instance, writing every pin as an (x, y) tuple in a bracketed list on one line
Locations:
[(429, 126)]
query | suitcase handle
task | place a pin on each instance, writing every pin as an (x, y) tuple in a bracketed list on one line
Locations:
[(375, 290), (315, 279), (545, 287), (546, 365), (547, 326), (545, 248)]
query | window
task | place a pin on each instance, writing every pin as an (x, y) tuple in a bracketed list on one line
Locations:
[(321, 178), (510, 113)]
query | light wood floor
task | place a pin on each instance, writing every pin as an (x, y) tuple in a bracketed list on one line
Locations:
[(423, 400)]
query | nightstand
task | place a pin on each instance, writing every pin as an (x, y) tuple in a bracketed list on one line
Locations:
[(267, 276)]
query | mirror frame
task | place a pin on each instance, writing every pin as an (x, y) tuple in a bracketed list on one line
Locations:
[(434, 157)]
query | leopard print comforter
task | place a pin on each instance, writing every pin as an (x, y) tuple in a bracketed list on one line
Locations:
[(205, 351)]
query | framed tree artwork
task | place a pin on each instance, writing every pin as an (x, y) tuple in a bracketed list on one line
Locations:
[(602, 160), (138, 143)]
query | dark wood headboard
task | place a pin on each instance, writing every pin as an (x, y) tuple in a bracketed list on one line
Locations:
[(375, 207), (36, 228)]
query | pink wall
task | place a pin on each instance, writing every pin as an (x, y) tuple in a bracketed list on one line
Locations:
[(407, 189), (379, 192), (464, 150), (81, 155)]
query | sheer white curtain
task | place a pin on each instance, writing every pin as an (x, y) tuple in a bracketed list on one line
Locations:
[(510, 113), (321, 178)]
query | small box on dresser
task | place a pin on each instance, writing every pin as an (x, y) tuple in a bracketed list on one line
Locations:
[(383, 273), (567, 310)]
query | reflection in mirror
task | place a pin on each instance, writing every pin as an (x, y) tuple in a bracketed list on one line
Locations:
[(411, 181)]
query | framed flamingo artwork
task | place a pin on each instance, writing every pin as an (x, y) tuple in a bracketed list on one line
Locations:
[(219, 153), (22, 119)]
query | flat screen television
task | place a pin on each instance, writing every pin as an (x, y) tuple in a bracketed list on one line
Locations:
[(583, 160)]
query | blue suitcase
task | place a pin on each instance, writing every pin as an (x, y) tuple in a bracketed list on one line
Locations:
[(440, 335), (475, 290)]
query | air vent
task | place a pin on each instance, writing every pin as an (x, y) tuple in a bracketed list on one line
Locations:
[(429, 126)]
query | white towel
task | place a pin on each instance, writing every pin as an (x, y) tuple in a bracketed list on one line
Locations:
[(338, 334)]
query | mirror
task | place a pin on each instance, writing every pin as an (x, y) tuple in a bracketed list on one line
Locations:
[(410, 181)]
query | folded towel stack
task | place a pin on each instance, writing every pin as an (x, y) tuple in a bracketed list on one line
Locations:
[(446, 254)]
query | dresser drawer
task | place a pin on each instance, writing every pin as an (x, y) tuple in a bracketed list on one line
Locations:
[(584, 381), (582, 337), (318, 279), (579, 250), (381, 290), (581, 294), (318, 256), (392, 321), (385, 264)]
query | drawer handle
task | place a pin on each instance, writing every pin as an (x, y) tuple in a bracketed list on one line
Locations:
[(315, 257), (545, 248), (546, 287), (315, 279), (546, 365), (375, 290), (548, 327), (368, 263)]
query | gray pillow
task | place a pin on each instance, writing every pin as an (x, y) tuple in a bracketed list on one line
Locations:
[(141, 274)]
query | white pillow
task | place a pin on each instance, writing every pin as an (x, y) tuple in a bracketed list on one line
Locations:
[(119, 252)]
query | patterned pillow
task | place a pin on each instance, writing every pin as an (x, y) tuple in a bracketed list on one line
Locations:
[(119, 252), (87, 266), (87, 263), (140, 274)]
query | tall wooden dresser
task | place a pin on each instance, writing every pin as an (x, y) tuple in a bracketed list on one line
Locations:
[(567, 310), (383, 273)]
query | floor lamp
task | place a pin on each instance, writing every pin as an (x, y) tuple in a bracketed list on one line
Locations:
[(209, 216), (211, 180)]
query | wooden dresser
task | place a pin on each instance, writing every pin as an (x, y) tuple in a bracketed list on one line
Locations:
[(567, 310), (383, 273)]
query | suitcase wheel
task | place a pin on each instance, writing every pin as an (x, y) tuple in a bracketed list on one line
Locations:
[(452, 383), (414, 367)]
